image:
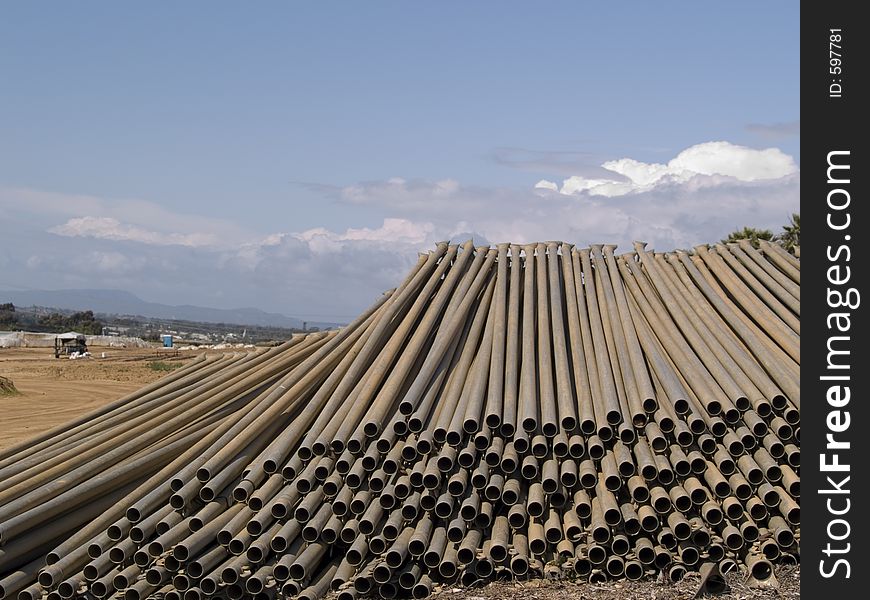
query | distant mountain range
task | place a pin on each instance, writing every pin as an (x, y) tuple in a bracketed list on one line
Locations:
[(118, 302)]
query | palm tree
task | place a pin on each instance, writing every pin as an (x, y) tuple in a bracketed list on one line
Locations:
[(750, 233), (790, 238)]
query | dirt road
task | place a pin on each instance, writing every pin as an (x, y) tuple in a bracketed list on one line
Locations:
[(53, 391)]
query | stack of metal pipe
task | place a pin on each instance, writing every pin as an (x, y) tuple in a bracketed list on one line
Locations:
[(518, 411)]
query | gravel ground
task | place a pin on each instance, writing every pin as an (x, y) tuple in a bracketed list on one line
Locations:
[(784, 585)]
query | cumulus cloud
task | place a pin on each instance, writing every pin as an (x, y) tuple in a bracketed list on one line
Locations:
[(392, 230), (547, 185), (711, 159), (699, 196), (310, 250), (108, 228)]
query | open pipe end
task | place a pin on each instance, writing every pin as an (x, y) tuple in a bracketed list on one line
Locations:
[(596, 554), (718, 428), (613, 417), (734, 541), (732, 415), (66, 589), (770, 549), (681, 406), (784, 537), (419, 591), (400, 428), (582, 566), (633, 570), (763, 408), (677, 573), (229, 576), (743, 491), (95, 550), (362, 585), (154, 576), (649, 523), (727, 565), (208, 586), (605, 432), (779, 401), (645, 554), (597, 576), (736, 448), (665, 423), (254, 586), (447, 569), (155, 549), (791, 415), (761, 569), (142, 558), (663, 558), (662, 505), (439, 434), (114, 533), (382, 574), (530, 425)]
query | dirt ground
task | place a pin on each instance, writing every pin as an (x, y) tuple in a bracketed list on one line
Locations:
[(55, 390), (784, 585)]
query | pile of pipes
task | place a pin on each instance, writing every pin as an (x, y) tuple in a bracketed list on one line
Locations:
[(518, 411)]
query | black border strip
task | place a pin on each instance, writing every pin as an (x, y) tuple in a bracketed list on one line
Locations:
[(832, 122)]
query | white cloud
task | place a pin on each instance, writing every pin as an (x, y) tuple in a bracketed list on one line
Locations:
[(699, 196), (395, 233), (392, 230), (547, 185), (333, 274), (108, 228), (312, 247), (710, 159)]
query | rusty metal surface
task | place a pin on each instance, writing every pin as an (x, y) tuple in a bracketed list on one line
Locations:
[(516, 410)]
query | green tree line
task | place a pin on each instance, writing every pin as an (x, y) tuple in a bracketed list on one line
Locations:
[(82, 321), (789, 238)]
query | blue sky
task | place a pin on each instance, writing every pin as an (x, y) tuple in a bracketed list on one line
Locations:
[(238, 140)]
